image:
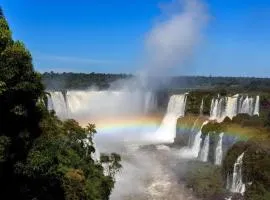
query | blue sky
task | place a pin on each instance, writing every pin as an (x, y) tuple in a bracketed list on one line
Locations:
[(108, 36)]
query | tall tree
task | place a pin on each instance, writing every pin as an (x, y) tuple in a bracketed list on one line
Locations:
[(42, 157), (20, 90)]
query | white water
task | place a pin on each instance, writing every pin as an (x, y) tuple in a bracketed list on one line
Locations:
[(257, 106), (96, 155), (214, 109), (222, 107), (56, 102), (231, 106), (219, 151), (217, 109), (248, 105), (192, 134), (167, 130), (94, 104), (237, 182), (201, 107), (193, 151), (86, 143), (205, 149)]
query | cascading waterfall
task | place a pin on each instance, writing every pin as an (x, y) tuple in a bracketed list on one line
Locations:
[(193, 129), (176, 109), (79, 104), (201, 107), (57, 102), (96, 155), (251, 106), (217, 111), (205, 149), (86, 143), (247, 106), (194, 150), (49, 102), (197, 141), (257, 106), (231, 106), (239, 103), (214, 109), (219, 152), (149, 102), (237, 185), (222, 107), (109, 102)]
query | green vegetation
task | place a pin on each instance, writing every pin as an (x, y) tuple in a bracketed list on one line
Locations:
[(205, 180), (42, 157), (224, 85), (256, 166), (194, 101), (64, 81)]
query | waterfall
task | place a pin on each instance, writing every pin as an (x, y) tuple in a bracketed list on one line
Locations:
[(197, 141), (176, 109), (87, 143), (214, 109), (231, 106), (217, 109), (251, 106), (205, 149), (245, 107), (150, 102), (193, 129), (201, 107), (86, 103), (257, 106), (219, 152), (240, 102), (49, 102), (96, 155), (194, 150), (237, 182), (58, 104)]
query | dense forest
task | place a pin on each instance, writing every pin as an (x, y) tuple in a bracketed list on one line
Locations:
[(65, 81), (42, 157)]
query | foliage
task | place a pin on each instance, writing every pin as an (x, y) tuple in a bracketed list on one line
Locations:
[(42, 157), (213, 128), (231, 156), (4, 145), (221, 85), (256, 166), (64, 81), (205, 180), (63, 161)]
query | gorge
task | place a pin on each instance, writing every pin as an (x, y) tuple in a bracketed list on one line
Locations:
[(142, 107)]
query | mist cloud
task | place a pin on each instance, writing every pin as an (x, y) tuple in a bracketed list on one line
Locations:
[(172, 40)]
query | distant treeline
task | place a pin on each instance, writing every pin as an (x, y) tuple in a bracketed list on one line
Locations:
[(64, 81)]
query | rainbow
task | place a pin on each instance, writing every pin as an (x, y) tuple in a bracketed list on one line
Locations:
[(126, 123), (151, 123)]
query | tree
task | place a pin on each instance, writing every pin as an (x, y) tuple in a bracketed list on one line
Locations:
[(42, 157), (20, 89)]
